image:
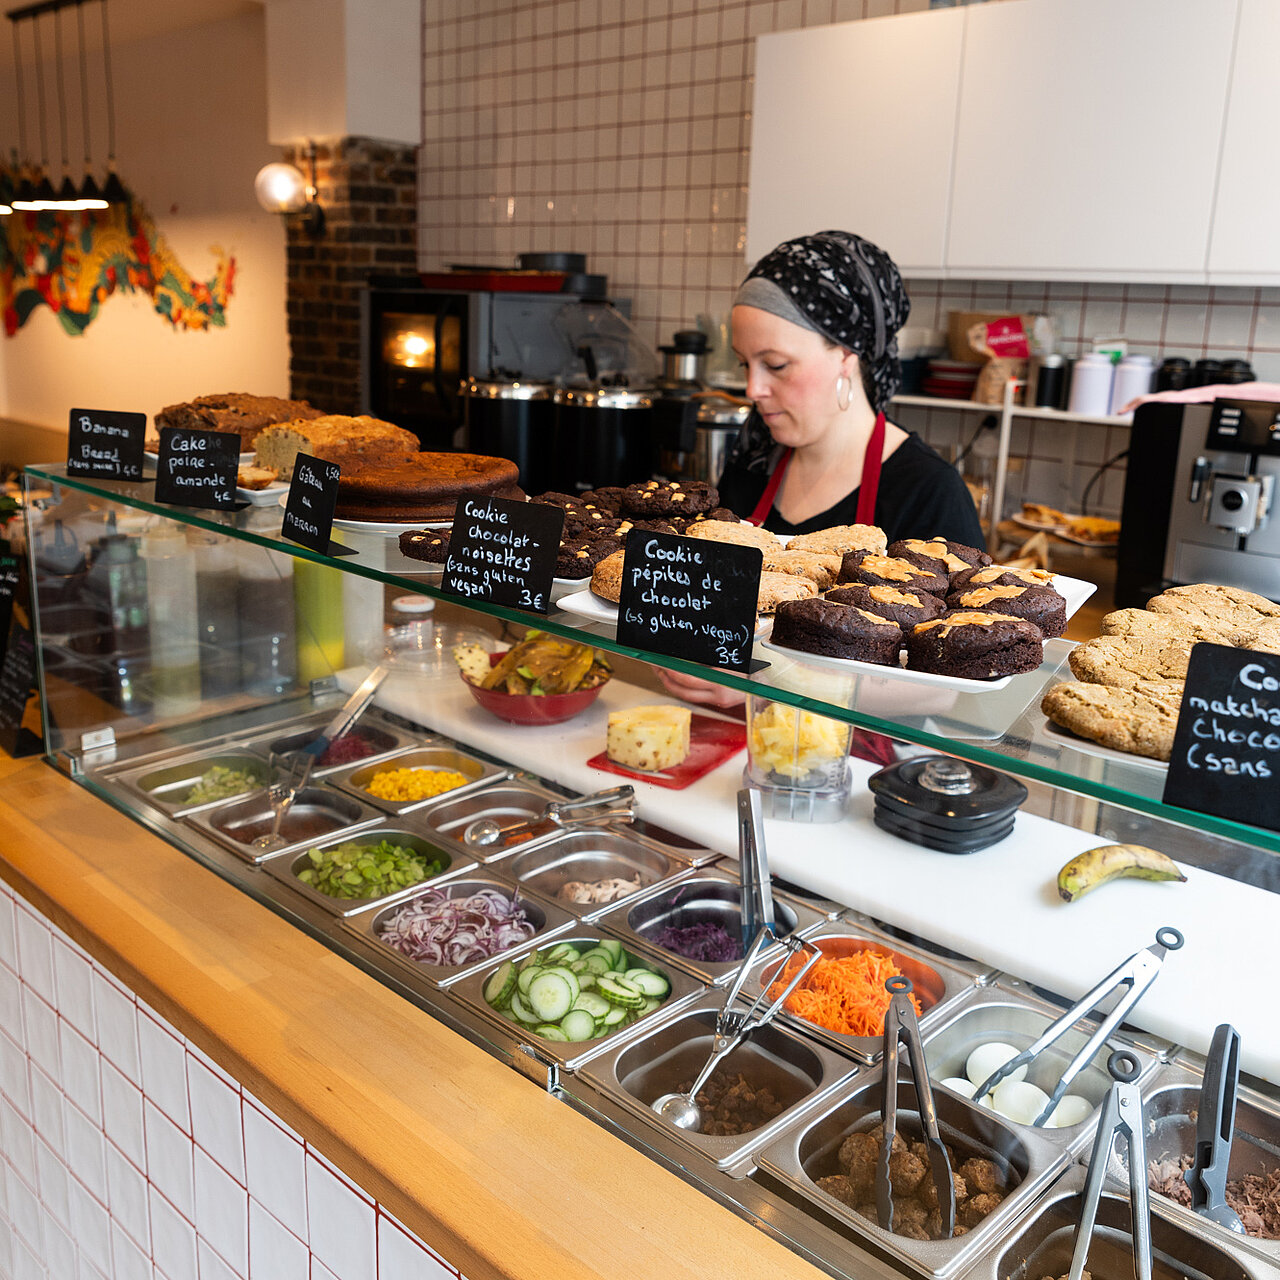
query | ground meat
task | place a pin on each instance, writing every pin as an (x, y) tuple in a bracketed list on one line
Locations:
[(731, 1105), (979, 1187), (1254, 1196)]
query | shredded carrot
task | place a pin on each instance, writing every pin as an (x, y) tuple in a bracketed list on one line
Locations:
[(844, 993)]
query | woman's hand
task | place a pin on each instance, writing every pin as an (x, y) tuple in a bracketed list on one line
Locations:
[(703, 692)]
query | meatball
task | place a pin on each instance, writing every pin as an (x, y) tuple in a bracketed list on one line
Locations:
[(927, 1193), (909, 1218), (837, 1186), (906, 1171), (981, 1176), (979, 1206), (858, 1155)]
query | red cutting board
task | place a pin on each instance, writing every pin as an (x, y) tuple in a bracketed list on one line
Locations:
[(711, 742)]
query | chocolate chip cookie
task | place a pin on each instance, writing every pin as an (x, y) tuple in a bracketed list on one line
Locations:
[(669, 498)]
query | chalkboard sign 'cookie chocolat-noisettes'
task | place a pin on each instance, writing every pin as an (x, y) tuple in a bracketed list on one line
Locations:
[(504, 551), (689, 598)]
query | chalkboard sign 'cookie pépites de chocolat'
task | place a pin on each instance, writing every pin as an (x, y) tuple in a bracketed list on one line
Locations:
[(308, 511), (504, 551), (689, 598), (198, 468), (105, 444), (1226, 748)]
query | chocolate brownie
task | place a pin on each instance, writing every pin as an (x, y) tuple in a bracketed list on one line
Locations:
[(889, 571), (566, 500), (975, 645), (669, 498), (579, 556), (1041, 605), (940, 555), (906, 608), (1001, 575), (837, 631), (431, 545)]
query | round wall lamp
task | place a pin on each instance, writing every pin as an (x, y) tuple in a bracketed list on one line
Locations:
[(282, 188)]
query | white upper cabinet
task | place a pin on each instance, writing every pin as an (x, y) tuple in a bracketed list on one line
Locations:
[(1245, 246), (1088, 138), (852, 129)]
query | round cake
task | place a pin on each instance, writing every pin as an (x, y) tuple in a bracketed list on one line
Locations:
[(975, 645), (890, 571), (422, 486), (939, 555), (906, 608), (1041, 605)]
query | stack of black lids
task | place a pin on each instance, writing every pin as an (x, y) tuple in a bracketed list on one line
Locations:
[(946, 804)]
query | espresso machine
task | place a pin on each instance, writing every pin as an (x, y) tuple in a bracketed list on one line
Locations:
[(1200, 499)]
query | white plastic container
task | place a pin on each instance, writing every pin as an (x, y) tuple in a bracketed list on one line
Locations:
[(1133, 378), (1091, 381)]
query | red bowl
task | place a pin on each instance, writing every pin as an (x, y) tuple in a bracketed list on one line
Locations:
[(528, 708)]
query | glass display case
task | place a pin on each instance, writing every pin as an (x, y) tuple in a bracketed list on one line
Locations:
[(184, 653)]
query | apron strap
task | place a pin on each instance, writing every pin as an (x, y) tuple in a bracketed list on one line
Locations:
[(870, 484), (868, 488)]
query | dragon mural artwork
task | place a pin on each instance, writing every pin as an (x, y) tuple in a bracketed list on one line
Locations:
[(73, 261)]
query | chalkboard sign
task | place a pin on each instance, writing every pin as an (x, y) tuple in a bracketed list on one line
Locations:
[(1226, 748), (105, 444), (504, 551), (198, 468), (689, 599), (10, 575), (17, 679), (308, 511)]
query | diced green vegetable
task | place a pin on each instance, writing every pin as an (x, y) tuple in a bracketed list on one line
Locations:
[(355, 869)]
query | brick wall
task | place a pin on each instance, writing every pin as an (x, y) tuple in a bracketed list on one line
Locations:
[(368, 190)]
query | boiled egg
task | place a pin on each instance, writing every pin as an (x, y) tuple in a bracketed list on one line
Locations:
[(1019, 1101), (1072, 1109), (988, 1058), (966, 1088)]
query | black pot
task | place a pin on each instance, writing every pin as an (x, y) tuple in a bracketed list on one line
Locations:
[(604, 437), (513, 420)]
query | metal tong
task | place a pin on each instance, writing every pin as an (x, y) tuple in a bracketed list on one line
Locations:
[(615, 804), (1135, 975), (1215, 1124), (1121, 1116), (901, 1027), (734, 1025), (753, 867)]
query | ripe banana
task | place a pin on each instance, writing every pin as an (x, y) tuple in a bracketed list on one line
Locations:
[(1108, 862)]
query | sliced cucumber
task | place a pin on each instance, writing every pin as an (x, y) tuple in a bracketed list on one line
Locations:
[(500, 984), (559, 953), (650, 1004), (549, 1031), (550, 997), (525, 977), (597, 960), (615, 1016), (596, 1005), (614, 947), (648, 983), (578, 1024), (619, 992), (522, 1012), (569, 976)]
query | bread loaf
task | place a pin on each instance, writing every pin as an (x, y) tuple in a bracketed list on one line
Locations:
[(333, 437)]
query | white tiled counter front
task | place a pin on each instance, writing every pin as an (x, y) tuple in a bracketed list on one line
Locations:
[(129, 1155)]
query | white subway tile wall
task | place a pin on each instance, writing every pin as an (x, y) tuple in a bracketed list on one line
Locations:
[(127, 1154), (622, 131)]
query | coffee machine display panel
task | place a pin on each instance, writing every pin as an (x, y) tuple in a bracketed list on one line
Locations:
[(1244, 426)]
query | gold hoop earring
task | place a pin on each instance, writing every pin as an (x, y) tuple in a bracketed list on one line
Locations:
[(844, 392)]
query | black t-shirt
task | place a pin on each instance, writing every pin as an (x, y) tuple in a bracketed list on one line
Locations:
[(920, 496)]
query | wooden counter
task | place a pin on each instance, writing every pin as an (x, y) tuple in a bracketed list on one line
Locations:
[(496, 1175)]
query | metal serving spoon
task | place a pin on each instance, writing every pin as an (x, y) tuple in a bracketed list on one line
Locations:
[(618, 804)]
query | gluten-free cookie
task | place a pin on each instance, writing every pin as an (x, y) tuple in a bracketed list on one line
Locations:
[(1140, 721), (431, 545), (742, 535), (974, 645), (777, 587), (579, 556), (819, 569), (889, 571), (1125, 661), (837, 631), (840, 539), (906, 608), (606, 577), (1227, 609), (669, 498)]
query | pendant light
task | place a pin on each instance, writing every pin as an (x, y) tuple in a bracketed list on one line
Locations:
[(46, 197), (90, 196), (24, 194), (67, 196), (113, 192)]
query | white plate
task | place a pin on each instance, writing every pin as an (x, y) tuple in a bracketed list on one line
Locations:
[(586, 604), (1040, 526), (262, 497), (899, 675), (1061, 737), (154, 458)]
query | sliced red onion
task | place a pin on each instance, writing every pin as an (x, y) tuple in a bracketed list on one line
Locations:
[(435, 929)]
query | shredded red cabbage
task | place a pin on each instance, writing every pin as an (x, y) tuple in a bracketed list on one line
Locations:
[(434, 928), (705, 941), (351, 746)]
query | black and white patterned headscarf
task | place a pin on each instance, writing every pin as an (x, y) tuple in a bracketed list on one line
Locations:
[(848, 290)]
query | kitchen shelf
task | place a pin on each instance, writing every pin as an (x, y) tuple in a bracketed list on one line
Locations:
[(1003, 729), (1018, 410)]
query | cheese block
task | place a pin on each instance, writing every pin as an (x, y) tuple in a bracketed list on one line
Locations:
[(649, 738)]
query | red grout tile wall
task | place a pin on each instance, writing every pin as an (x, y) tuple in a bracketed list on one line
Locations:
[(368, 191)]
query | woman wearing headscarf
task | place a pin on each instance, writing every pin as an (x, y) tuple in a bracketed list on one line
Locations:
[(814, 325)]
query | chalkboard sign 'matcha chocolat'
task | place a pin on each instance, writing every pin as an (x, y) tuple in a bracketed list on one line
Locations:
[(689, 599), (105, 444), (198, 468), (504, 551), (1226, 748)]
